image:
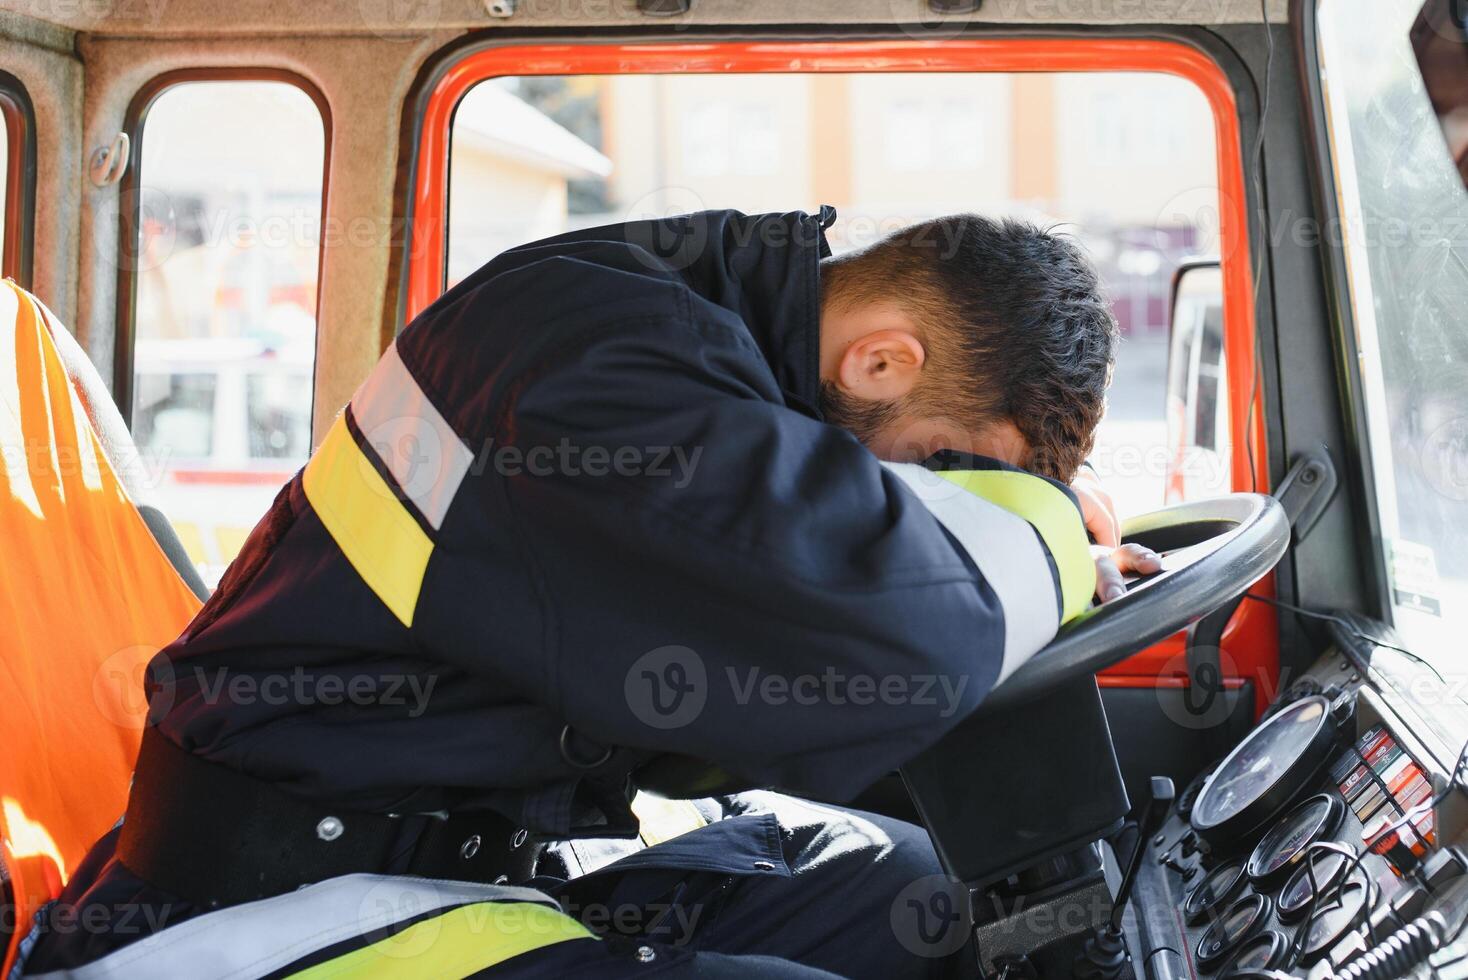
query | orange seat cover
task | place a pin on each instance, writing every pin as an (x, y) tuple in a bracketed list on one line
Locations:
[(86, 598)]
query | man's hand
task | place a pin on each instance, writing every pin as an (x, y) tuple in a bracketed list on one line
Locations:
[(1113, 559), (1097, 508), (1113, 563)]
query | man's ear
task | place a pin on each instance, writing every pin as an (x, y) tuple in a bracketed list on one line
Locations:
[(881, 366)]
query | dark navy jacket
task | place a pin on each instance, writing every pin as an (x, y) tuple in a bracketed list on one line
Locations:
[(590, 487)]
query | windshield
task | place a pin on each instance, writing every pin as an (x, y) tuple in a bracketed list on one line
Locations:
[(1404, 228)]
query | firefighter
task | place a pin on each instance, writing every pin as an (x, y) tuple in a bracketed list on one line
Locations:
[(685, 500)]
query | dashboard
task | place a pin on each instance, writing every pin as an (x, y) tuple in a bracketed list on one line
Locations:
[(1320, 846)]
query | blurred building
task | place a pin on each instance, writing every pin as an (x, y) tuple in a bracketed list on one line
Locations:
[(1128, 158), (511, 168)]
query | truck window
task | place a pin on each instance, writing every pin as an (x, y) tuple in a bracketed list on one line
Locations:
[(6, 140), (1404, 231), (224, 338), (17, 173), (1124, 161)]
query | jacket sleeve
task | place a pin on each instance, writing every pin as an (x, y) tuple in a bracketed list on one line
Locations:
[(735, 581)]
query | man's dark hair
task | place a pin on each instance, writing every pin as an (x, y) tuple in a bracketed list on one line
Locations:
[(1013, 321)]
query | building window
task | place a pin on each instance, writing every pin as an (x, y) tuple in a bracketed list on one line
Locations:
[(1125, 130), (730, 139), (935, 134), (225, 262)]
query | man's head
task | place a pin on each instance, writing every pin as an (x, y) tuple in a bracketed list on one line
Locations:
[(972, 334)]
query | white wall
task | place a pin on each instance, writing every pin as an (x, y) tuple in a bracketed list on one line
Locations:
[(1139, 146), (497, 204)]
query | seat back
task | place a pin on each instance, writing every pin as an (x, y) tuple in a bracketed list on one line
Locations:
[(87, 596)]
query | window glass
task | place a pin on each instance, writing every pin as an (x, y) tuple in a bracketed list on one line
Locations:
[(1404, 229), (1207, 404), (17, 129), (1197, 389), (225, 321), (174, 414), (1124, 161)]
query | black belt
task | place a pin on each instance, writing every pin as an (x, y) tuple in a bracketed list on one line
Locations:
[(219, 837)]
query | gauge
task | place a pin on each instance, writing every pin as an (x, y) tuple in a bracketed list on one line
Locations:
[(1282, 847), (1325, 869), (1215, 891), (1336, 916), (1264, 772), (1244, 918), (1185, 800), (1263, 952)]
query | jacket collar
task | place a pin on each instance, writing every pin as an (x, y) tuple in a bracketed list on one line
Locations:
[(765, 268)]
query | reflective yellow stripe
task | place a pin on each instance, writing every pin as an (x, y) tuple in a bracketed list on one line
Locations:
[(373, 529), (1053, 514), (457, 944), (662, 819)]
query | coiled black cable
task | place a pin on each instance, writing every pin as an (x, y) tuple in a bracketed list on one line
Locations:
[(1401, 952)]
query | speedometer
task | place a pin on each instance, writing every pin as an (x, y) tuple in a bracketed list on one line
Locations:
[(1279, 850), (1215, 891), (1264, 772), (1315, 875), (1244, 918), (1337, 915)]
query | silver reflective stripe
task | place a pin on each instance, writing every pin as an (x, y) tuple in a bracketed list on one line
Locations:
[(257, 938), (1008, 554), (425, 456)]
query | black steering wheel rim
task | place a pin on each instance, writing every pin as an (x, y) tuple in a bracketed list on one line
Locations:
[(1223, 545)]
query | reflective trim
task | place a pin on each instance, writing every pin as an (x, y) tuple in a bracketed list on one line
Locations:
[(258, 938), (416, 444), (459, 943), (662, 819), (1008, 554), (373, 528), (1054, 515)]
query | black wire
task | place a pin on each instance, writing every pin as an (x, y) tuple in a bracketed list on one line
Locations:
[(1353, 631), (1318, 895), (1161, 949)]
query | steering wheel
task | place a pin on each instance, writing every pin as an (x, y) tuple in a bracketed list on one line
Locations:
[(1212, 550)]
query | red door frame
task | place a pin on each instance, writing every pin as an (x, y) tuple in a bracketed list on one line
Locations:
[(1251, 642)]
